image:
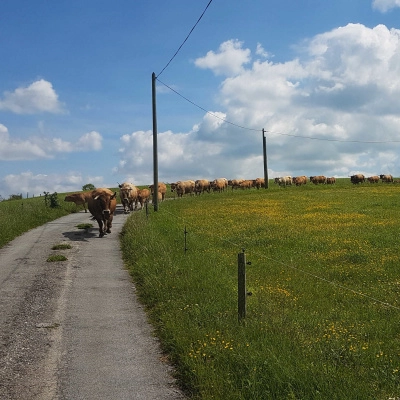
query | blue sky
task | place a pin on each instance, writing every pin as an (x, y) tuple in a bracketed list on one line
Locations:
[(323, 78)]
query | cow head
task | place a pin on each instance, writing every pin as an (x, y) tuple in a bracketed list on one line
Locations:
[(105, 203)]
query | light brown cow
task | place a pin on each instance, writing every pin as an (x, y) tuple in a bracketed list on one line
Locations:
[(373, 179), (219, 184), (284, 180), (143, 196), (235, 183), (79, 199), (102, 203), (162, 189), (128, 193), (386, 178), (201, 186), (183, 187)]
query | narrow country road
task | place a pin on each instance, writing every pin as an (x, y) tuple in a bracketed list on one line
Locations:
[(74, 329)]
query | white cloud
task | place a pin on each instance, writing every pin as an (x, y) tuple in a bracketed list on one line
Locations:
[(261, 52), (385, 5), (44, 148), (229, 60), (343, 89), (180, 155), (36, 98), (89, 141), (36, 184)]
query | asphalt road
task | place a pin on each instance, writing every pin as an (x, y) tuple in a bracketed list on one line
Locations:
[(75, 329)]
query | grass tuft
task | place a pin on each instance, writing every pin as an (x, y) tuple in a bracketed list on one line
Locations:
[(56, 258)]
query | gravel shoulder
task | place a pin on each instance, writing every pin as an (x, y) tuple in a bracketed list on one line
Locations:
[(75, 329)]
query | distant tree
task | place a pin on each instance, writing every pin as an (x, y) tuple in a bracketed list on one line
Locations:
[(88, 186), (15, 196)]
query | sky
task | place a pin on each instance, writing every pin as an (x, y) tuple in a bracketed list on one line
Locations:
[(321, 78)]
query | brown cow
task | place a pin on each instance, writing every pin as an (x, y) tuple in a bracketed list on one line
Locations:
[(259, 183), (331, 181), (201, 186), (143, 196), (373, 179), (79, 199), (102, 204), (162, 189), (183, 187), (246, 184), (128, 193), (356, 179), (316, 180), (300, 180)]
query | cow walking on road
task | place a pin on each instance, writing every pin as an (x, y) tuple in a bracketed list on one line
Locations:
[(102, 204), (129, 196)]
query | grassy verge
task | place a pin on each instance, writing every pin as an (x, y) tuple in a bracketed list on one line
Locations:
[(19, 216), (322, 321)]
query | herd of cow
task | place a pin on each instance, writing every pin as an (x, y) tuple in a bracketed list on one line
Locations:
[(102, 202)]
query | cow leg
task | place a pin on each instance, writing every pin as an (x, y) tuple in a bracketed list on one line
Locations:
[(108, 224), (100, 222), (126, 206)]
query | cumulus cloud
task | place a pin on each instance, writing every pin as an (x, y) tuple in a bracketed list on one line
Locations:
[(36, 184), (229, 59), (385, 5), (12, 149), (343, 86), (38, 97), (180, 155), (333, 110)]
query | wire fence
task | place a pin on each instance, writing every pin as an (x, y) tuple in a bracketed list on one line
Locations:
[(195, 230)]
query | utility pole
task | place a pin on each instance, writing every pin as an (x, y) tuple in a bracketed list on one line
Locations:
[(155, 149), (266, 183)]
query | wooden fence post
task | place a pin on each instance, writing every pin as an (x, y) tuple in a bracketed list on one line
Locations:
[(241, 285)]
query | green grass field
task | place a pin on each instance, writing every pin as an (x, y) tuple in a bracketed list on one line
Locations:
[(323, 318)]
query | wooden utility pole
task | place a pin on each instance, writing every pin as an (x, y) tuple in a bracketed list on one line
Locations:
[(155, 149), (265, 160)]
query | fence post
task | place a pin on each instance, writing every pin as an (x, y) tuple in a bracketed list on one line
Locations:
[(241, 285), (185, 233)]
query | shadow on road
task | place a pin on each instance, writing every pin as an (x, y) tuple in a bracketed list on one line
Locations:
[(83, 235)]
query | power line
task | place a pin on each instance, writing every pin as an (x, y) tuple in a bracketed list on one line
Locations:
[(206, 111), (254, 129), (335, 140), (272, 132), (187, 37), (198, 231)]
